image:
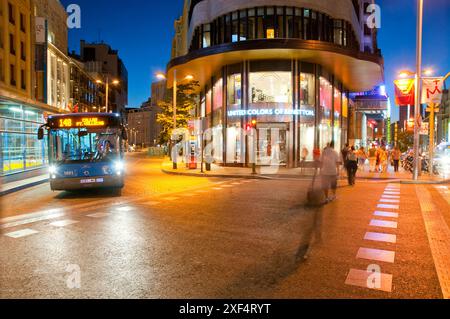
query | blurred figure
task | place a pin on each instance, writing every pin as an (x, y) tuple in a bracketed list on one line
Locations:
[(304, 156), (330, 163), (362, 158), (352, 166), (372, 158), (396, 155)]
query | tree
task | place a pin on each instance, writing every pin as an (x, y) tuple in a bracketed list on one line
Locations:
[(405, 140), (187, 99)]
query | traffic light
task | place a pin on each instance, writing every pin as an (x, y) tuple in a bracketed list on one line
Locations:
[(251, 125)]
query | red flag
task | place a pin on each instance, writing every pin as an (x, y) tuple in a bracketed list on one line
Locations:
[(405, 92)]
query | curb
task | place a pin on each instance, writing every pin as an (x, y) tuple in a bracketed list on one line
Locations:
[(265, 177), (19, 188)]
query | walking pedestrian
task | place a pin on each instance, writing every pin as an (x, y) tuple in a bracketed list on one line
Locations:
[(304, 156), (330, 163), (396, 155), (362, 158), (372, 158), (352, 166)]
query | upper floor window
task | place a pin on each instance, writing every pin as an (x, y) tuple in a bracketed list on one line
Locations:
[(272, 23), (22, 23), (11, 13)]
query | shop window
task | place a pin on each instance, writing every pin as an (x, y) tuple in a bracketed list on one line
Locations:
[(307, 89), (234, 89), (326, 95), (271, 87)]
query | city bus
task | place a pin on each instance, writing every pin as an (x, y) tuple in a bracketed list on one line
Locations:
[(86, 150)]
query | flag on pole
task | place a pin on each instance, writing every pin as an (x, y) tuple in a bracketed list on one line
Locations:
[(432, 90), (404, 92)]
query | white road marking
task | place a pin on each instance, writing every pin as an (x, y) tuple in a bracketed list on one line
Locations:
[(21, 233), (360, 278), (376, 254), (386, 214), (383, 224), (386, 200), (124, 209), (31, 221), (391, 196), (99, 215), (64, 223), (381, 237), (384, 206)]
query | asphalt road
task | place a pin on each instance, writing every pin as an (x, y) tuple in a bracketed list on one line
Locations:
[(186, 237)]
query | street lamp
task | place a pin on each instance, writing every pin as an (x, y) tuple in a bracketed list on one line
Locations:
[(162, 76), (108, 83)]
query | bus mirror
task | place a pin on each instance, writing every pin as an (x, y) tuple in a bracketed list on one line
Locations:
[(124, 135), (40, 134), (82, 133)]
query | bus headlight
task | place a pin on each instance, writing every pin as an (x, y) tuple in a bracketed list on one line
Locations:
[(119, 167), (52, 170)]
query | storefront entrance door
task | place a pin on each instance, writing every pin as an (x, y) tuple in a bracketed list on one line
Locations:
[(272, 148)]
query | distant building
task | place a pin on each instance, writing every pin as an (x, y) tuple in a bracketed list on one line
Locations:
[(139, 130), (85, 95), (371, 117), (143, 126), (104, 63), (443, 119)]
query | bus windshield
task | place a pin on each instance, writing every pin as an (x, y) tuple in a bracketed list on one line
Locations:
[(78, 145)]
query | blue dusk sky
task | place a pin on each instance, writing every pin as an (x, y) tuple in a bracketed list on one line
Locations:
[(142, 31)]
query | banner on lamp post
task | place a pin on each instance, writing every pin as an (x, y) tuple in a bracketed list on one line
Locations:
[(432, 90), (404, 92)]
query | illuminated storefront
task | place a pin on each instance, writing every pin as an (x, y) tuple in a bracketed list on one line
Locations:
[(280, 99), (274, 78), (20, 148)]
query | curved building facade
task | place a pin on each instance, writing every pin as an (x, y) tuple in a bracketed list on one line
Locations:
[(275, 76)]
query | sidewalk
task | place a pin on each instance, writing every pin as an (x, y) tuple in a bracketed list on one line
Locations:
[(16, 186), (283, 173)]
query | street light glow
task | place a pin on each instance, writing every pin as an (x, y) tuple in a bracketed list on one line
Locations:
[(160, 76)]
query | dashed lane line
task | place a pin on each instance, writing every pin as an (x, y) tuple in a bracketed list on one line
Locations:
[(381, 237), (64, 223), (383, 224), (21, 233)]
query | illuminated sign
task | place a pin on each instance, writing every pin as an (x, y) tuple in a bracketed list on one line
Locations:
[(68, 122), (82, 122), (265, 112)]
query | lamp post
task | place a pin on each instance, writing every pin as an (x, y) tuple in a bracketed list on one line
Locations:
[(162, 76), (107, 83)]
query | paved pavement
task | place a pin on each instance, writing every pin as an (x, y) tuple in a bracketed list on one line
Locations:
[(186, 237), (283, 172)]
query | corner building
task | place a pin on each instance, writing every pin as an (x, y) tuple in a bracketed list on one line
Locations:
[(286, 67)]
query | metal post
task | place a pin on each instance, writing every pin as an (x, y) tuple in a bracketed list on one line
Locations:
[(431, 146), (107, 94), (418, 89), (174, 153)]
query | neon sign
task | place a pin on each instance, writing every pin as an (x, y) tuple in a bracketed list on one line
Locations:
[(265, 112)]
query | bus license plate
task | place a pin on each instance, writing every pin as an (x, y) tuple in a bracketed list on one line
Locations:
[(92, 181)]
